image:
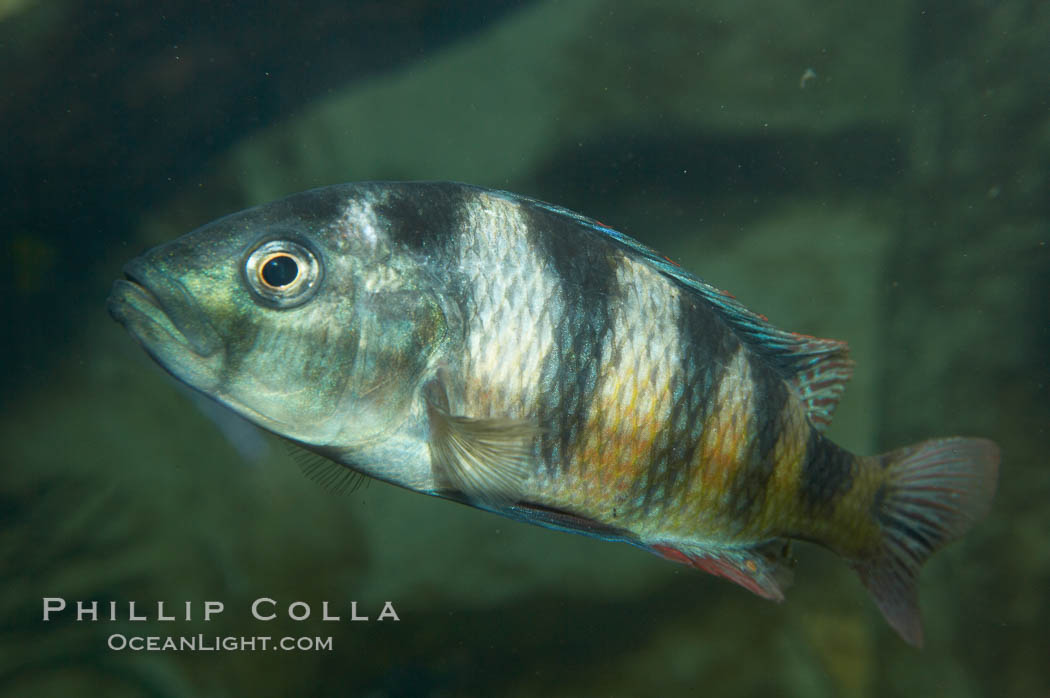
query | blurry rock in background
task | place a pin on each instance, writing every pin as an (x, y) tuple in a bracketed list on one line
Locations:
[(876, 175)]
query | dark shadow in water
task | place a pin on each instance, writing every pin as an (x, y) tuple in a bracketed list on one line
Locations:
[(691, 164), (107, 104), (545, 640)]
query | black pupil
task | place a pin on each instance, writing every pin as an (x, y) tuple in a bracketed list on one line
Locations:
[(280, 271)]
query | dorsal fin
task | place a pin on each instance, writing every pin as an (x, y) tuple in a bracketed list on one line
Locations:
[(817, 369)]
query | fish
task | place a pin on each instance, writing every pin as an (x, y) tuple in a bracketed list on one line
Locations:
[(514, 356)]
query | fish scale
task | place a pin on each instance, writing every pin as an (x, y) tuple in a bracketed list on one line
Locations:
[(518, 357), (502, 343), (634, 396)]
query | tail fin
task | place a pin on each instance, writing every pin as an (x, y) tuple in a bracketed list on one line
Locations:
[(935, 492)]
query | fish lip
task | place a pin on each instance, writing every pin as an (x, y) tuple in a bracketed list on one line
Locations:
[(162, 301)]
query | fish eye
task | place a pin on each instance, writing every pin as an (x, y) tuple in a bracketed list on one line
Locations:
[(282, 273), (278, 270)]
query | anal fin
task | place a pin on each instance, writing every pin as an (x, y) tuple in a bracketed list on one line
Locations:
[(765, 569)]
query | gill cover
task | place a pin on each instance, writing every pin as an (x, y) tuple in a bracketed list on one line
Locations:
[(399, 334)]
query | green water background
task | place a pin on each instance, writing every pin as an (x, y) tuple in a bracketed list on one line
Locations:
[(879, 174)]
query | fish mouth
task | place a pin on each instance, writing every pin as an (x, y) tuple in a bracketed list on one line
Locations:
[(159, 311)]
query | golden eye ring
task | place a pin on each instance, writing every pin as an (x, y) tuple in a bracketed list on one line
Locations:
[(278, 270), (282, 273)]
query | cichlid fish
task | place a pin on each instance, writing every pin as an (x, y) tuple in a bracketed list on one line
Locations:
[(515, 356)]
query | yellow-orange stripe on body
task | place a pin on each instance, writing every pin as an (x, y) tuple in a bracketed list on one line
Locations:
[(633, 399)]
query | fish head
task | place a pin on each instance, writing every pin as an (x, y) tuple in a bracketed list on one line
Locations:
[(294, 314)]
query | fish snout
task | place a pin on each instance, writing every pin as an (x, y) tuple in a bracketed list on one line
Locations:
[(148, 296)]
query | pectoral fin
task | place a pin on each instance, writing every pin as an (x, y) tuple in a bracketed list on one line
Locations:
[(485, 459)]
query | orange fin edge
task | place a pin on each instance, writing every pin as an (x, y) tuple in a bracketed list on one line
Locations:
[(764, 570)]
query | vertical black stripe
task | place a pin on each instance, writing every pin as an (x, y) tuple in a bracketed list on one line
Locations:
[(827, 472), (768, 397), (316, 207), (585, 266), (422, 217), (241, 332), (706, 349)]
